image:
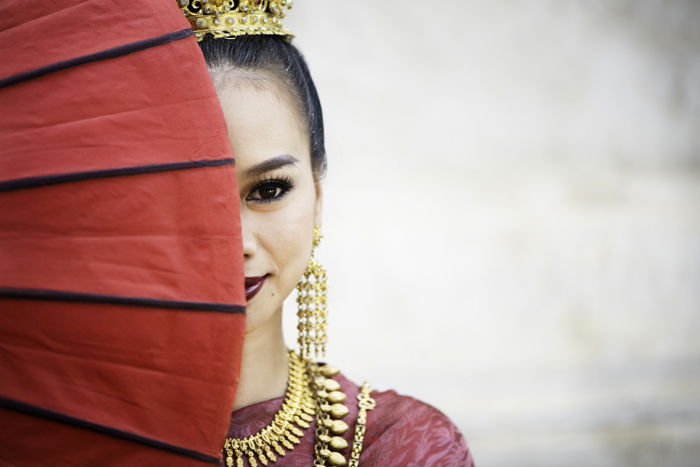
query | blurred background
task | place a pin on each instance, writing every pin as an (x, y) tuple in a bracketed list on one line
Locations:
[(512, 218)]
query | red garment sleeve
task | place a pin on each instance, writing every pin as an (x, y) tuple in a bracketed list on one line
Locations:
[(403, 431)]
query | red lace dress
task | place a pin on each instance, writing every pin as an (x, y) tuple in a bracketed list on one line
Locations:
[(401, 431)]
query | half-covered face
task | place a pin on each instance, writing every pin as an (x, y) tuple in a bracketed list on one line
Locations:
[(280, 201)]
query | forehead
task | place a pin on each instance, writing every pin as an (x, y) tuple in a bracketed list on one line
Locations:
[(263, 120)]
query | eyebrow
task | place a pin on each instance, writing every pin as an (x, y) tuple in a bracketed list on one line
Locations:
[(270, 164)]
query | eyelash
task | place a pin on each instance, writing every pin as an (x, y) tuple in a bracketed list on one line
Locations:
[(284, 184)]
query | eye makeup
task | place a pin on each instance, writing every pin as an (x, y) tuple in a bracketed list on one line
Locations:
[(270, 188)]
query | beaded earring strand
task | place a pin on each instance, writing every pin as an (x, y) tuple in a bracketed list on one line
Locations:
[(312, 312)]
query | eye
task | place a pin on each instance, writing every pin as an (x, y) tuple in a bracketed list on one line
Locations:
[(270, 190)]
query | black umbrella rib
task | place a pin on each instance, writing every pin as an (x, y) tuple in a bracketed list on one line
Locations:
[(35, 410), (54, 179), (81, 297), (112, 52)]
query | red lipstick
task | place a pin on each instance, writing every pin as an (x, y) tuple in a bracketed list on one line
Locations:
[(253, 286)]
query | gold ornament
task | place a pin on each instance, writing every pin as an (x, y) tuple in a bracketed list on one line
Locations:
[(286, 429), (366, 403), (232, 18), (311, 306), (304, 398), (328, 415)]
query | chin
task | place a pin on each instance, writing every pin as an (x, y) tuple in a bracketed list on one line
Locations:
[(258, 312)]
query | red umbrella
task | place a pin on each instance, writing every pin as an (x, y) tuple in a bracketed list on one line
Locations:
[(121, 274)]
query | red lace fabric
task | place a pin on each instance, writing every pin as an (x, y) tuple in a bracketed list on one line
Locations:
[(401, 431)]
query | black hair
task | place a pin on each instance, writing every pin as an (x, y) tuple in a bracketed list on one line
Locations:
[(276, 55)]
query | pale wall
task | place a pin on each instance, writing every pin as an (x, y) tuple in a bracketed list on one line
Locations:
[(512, 218)]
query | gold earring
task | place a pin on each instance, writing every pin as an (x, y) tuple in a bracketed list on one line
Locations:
[(311, 306)]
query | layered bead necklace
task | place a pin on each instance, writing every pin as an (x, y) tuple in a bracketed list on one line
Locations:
[(310, 391)]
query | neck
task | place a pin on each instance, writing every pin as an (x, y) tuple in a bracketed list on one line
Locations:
[(264, 364)]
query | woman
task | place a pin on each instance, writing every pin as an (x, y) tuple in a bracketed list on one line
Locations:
[(288, 410)]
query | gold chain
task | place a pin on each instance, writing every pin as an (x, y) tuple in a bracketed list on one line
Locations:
[(365, 402)]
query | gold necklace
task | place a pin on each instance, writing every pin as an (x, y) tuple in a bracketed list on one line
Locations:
[(310, 391), (329, 411), (285, 431)]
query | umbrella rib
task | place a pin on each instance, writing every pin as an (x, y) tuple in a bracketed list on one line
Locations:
[(31, 409), (53, 179), (69, 296), (112, 52)]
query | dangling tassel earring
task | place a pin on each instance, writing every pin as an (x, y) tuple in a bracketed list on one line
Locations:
[(311, 306)]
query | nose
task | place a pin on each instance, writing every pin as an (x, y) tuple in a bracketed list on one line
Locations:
[(250, 246)]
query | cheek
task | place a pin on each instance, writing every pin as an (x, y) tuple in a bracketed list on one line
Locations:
[(289, 232)]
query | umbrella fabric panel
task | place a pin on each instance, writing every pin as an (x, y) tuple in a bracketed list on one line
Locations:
[(158, 373), (169, 235), (33, 35), (150, 107), (38, 442)]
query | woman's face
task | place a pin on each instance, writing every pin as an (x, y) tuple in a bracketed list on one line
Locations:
[(280, 201)]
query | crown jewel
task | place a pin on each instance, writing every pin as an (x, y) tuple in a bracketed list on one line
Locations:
[(231, 18)]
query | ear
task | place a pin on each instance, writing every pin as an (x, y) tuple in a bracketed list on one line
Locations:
[(318, 208)]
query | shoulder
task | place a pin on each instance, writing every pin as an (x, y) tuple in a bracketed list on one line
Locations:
[(404, 431)]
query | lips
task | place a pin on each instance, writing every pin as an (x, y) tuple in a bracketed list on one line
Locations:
[(253, 286)]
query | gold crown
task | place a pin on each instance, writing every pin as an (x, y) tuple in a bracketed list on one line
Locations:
[(231, 18)]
